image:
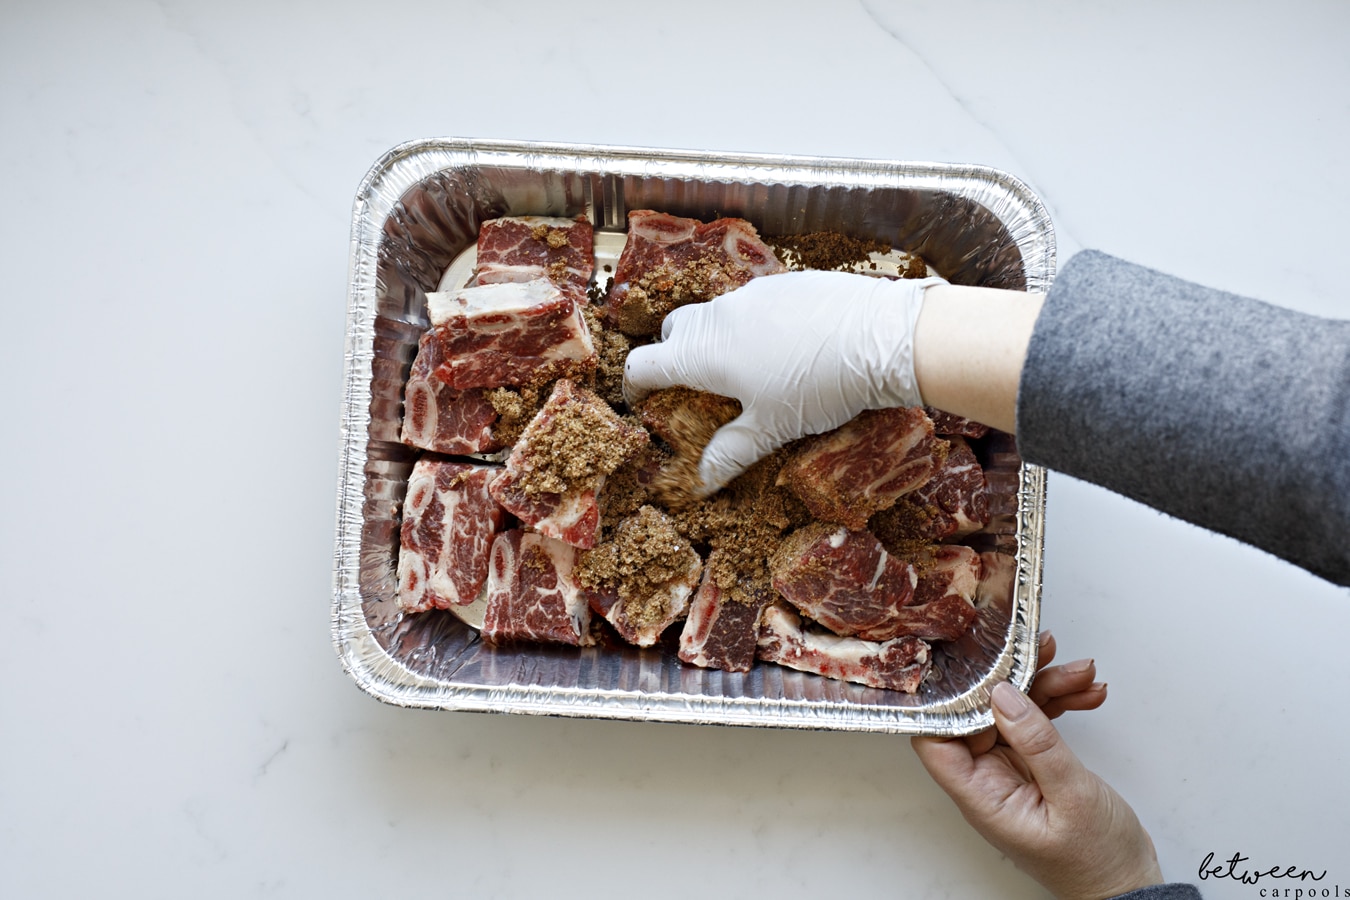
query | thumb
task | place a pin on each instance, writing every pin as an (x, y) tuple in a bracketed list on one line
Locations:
[(1027, 731), (735, 447)]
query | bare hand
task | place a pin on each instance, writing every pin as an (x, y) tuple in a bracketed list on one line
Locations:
[(1026, 793)]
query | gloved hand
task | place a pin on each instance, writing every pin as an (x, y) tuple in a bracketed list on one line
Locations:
[(804, 352)]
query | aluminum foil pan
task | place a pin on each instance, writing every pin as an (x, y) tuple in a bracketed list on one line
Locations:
[(420, 207)]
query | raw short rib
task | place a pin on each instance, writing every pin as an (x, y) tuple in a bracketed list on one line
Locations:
[(530, 592), (513, 333), (559, 464), (898, 665), (722, 629), (945, 423), (943, 607), (668, 261), (952, 504), (846, 475), (439, 418), (642, 577), (845, 580), (449, 520), (523, 248), (535, 336)]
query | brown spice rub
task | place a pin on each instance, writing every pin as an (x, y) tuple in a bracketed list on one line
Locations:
[(903, 529), (574, 441), (645, 556), (914, 267), (743, 524), (739, 582), (686, 420), (833, 250), (611, 351), (662, 288), (629, 486), (824, 250), (556, 238), (515, 408)]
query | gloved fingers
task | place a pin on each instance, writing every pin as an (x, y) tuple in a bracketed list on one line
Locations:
[(735, 447), (1029, 732), (680, 316), (648, 369)]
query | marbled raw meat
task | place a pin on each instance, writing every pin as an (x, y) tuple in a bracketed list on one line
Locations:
[(897, 665), (523, 248), (952, 504), (848, 582), (449, 520), (943, 606), (440, 418), (641, 576), (571, 515), (846, 475), (530, 592), (508, 334), (721, 632), (668, 261), (945, 423), (958, 492), (844, 580)]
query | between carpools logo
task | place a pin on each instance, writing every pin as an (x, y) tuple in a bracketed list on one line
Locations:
[(1281, 880)]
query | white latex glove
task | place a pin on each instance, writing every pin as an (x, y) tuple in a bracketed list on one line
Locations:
[(804, 352)]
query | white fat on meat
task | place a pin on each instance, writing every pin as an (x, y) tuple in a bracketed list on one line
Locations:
[(531, 595), (508, 334), (449, 520), (899, 665)]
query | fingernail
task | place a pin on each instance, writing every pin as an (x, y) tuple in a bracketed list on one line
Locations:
[(1010, 701), (1046, 636), (1079, 665)]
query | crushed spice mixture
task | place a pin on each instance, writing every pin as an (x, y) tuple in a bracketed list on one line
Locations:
[(831, 251), (583, 441), (640, 561), (662, 288), (515, 408), (611, 350)]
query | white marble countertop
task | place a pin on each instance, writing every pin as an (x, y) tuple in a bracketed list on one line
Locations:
[(175, 244)]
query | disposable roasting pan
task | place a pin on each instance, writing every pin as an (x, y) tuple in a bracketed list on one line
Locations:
[(420, 207)]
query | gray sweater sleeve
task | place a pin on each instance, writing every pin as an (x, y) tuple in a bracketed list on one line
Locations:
[(1221, 410), (1163, 892)]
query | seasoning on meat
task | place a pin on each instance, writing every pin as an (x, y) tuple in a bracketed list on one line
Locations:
[(558, 466), (685, 419), (845, 527), (670, 261), (640, 580)]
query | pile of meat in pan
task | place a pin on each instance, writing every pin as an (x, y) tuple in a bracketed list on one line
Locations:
[(841, 554)]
